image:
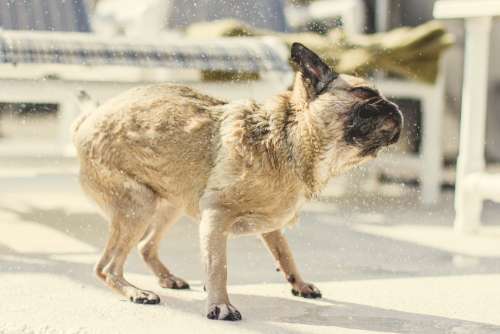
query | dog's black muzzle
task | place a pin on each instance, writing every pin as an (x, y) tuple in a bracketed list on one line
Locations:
[(373, 124)]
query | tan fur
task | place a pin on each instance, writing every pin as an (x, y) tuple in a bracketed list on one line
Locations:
[(155, 153)]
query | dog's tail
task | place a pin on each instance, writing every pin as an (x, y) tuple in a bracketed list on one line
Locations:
[(85, 102), (86, 106)]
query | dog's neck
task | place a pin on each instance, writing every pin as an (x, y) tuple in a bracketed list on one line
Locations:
[(288, 139)]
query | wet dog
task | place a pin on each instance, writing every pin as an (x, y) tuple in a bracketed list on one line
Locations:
[(158, 152)]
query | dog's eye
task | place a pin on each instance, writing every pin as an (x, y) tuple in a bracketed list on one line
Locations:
[(364, 92)]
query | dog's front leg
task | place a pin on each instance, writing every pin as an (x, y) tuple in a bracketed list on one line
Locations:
[(213, 240), (278, 246)]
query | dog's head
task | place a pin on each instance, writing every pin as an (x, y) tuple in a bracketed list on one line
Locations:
[(357, 118)]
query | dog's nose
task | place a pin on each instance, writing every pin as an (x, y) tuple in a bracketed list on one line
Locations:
[(391, 128)]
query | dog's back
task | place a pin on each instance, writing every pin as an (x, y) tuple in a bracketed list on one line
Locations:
[(156, 135)]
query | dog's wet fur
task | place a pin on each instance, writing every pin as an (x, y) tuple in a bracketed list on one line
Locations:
[(155, 153)]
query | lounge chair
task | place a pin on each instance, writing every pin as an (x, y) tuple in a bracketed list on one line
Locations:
[(51, 67)]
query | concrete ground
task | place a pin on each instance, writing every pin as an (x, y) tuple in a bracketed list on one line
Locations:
[(384, 263)]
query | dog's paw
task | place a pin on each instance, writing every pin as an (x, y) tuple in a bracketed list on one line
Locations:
[(306, 290), (144, 297), (223, 312), (173, 282)]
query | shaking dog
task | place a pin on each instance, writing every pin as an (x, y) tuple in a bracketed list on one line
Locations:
[(155, 153)]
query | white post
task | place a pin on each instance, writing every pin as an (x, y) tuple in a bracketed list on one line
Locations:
[(431, 148), (468, 202), (382, 8)]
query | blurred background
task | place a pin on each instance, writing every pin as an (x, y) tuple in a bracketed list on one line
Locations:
[(102, 30), (390, 219)]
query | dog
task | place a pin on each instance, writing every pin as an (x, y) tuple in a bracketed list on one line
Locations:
[(155, 153)]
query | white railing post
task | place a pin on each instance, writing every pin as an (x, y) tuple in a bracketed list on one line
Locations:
[(468, 202), (431, 148)]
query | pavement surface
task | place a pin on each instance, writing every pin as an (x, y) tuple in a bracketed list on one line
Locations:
[(384, 263)]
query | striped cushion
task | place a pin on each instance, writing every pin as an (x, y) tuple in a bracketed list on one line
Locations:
[(245, 55)]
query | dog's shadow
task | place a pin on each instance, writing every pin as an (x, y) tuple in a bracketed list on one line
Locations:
[(278, 314)]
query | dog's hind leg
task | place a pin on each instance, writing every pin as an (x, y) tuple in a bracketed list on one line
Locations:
[(106, 254), (165, 216), (130, 207), (128, 224), (122, 242)]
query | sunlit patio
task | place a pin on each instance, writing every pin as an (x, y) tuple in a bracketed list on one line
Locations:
[(383, 263)]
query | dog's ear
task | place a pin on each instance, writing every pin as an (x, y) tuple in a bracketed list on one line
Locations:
[(315, 73)]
